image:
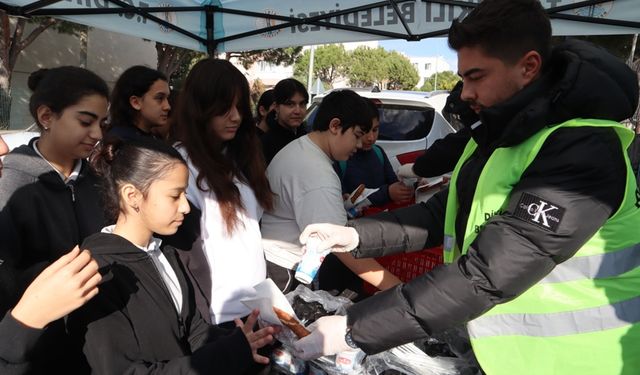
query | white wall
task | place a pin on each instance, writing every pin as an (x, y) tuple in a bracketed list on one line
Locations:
[(106, 53), (426, 66)]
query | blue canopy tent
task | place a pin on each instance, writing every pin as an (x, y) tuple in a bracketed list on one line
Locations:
[(240, 25)]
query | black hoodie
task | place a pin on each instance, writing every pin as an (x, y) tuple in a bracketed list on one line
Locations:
[(41, 219), (582, 170), (132, 327)]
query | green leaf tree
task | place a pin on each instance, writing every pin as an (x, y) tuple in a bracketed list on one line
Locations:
[(367, 67), (14, 39), (277, 56), (330, 62), (176, 61), (445, 81), (400, 72)]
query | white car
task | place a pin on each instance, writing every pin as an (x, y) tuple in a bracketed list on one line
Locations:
[(409, 121), (16, 138)]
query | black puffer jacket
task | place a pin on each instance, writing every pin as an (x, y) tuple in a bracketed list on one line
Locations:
[(579, 169)]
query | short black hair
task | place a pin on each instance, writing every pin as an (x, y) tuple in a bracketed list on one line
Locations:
[(373, 109), (505, 29), (347, 106), (287, 88), (265, 101)]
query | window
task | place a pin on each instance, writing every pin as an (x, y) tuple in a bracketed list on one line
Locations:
[(397, 122), (427, 66), (404, 123)]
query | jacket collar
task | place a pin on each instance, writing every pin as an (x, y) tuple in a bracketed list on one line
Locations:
[(580, 81), (26, 160)]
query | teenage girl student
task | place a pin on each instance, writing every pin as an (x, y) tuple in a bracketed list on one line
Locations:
[(227, 183), (62, 287), (48, 197), (144, 320), (139, 103), (286, 118)]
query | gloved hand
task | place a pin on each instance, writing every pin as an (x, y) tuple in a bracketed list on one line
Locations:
[(338, 238), (327, 338), (406, 171)]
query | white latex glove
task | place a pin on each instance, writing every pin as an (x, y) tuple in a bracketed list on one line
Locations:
[(338, 238), (327, 338), (406, 171)]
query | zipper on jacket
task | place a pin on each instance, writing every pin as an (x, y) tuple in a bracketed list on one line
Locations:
[(181, 327), (73, 192)]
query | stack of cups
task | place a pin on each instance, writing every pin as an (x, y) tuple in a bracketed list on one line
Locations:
[(311, 261)]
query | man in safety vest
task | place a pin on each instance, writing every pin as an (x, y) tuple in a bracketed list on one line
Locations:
[(540, 224)]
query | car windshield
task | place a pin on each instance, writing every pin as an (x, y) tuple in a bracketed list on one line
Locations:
[(397, 122)]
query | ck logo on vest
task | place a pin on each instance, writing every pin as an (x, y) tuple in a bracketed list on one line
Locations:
[(540, 212)]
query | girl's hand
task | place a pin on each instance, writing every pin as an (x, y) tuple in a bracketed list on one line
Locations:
[(65, 285), (259, 338)]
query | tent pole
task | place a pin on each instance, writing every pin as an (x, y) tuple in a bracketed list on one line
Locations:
[(310, 77), (633, 49), (211, 43)]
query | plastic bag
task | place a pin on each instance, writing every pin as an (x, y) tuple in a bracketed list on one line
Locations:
[(408, 359)]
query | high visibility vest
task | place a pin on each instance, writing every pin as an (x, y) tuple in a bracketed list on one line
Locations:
[(583, 317)]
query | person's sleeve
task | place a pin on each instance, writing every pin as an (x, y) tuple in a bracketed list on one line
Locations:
[(510, 254), (16, 343), (381, 197), (14, 277), (406, 229), (443, 154), (227, 349), (320, 205)]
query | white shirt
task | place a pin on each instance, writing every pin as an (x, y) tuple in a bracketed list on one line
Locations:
[(236, 260), (307, 190), (163, 266)]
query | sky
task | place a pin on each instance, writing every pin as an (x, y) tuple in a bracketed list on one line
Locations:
[(425, 48)]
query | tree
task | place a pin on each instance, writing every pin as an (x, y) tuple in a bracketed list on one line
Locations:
[(329, 63), (446, 81), (257, 88), (367, 67), (400, 72), (15, 39), (172, 59), (277, 56)]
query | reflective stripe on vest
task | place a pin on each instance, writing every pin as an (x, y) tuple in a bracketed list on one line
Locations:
[(595, 266), (584, 316), (559, 324)]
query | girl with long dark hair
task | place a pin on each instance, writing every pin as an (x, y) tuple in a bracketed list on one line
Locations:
[(227, 183)]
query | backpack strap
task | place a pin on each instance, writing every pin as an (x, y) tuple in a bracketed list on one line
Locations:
[(342, 164), (378, 150)]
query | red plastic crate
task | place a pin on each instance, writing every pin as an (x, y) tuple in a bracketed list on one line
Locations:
[(408, 266)]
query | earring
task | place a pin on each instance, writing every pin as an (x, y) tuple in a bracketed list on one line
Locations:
[(136, 208), (46, 129)]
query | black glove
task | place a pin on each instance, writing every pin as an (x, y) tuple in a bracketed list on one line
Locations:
[(457, 111)]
